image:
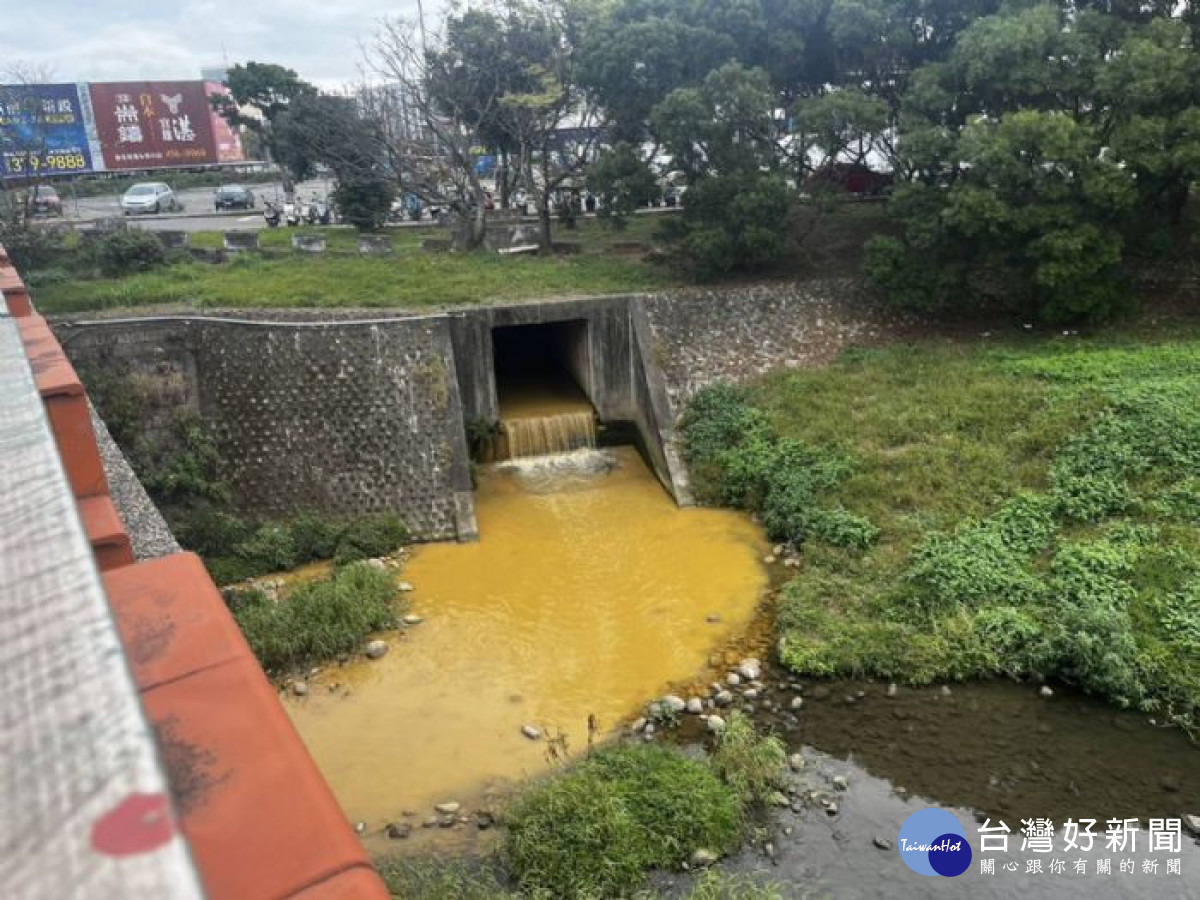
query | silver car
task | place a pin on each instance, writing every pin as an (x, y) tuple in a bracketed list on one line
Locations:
[(149, 197)]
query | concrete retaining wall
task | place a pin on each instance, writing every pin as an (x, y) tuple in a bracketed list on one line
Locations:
[(344, 418), (353, 416)]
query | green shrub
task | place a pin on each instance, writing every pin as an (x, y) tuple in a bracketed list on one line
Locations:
[(1016, 639), (319, 620), (718, 420), (210, 532), (232, 569), (270, 549), (575, 837), (737, 459), (128, 251), (752, 764), (731, 222), (595, 830), (370, 536), (182, 464), (315, 537), (984, 562), (41, 277)]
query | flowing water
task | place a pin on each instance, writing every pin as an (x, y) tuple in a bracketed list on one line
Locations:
[(588, 593), (996, 751), (540, 416)]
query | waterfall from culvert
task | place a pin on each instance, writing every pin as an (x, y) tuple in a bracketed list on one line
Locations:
[(530, 436)]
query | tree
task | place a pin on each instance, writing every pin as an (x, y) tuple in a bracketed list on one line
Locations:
[(623, 181), (1030, 148), (723, 136), (332, 130), (552, 125), (268, 91), (451, 101)]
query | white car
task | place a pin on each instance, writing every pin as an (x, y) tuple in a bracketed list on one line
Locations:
[(149, 197)]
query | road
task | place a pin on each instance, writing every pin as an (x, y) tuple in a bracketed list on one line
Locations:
[(197, 214)]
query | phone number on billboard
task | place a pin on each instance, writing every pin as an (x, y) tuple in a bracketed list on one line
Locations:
[(58, 162)]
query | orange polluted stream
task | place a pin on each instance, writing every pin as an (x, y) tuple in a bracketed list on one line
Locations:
[(588, 593)]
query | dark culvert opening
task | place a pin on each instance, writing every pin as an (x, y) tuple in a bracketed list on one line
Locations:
[(541, 372)]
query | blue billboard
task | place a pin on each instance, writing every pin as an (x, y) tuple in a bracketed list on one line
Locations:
[(43, 131)]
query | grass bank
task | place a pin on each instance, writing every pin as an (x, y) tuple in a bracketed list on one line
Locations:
[(317, 621), (599, 827), (411, 278), (1029, 509)]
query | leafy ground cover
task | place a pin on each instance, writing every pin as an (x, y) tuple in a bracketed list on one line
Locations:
[(597, 828), (824, 242), (317, 621), (1030, 509), (410, 278)]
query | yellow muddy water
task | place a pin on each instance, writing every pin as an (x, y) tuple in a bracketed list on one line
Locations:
[(588, 594), (541, 415)]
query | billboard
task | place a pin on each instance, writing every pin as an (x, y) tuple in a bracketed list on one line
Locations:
[(229, 145), (43, 130), (153, 124)]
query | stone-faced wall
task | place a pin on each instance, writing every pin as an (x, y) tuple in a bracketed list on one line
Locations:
[(349, 416), (340, 417), (701, 336)]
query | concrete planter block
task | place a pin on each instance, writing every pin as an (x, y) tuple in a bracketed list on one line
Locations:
[(375, 244), (240, 241), (174, 240), (310, 243)]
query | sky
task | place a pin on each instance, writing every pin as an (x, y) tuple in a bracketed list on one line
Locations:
[(117, 40)]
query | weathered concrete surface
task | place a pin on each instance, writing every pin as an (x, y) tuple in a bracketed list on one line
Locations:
[(701, 336), (351, 415), (148, 530), (601, 362), (343, 418)]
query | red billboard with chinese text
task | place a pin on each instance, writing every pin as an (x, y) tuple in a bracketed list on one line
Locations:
[(153, 124), (229, 145)]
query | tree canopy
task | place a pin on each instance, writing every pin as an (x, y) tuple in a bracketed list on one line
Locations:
[(1037, 151)]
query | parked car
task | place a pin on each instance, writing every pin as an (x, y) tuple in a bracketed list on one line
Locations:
[(233, 196), (149, 197), (44, 201)]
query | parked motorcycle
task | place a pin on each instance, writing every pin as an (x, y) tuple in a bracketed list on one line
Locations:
[(319, 212), (271, 214), (292, 213)]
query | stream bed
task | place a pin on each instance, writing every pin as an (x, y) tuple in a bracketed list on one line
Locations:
[(994, 751), (588, 592)]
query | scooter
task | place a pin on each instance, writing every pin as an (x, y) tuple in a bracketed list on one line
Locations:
[(291, 213), (271, 214), (319, 212)]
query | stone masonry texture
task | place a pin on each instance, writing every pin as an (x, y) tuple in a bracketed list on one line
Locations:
[(341, 416)]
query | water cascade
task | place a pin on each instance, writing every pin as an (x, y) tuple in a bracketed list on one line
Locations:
[(544, 435)]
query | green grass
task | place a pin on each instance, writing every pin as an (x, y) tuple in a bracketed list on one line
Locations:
[(596, 830), (410, 279), (1034, 509), (437, 879), (433, 879), (751, 763), (319, 620)]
